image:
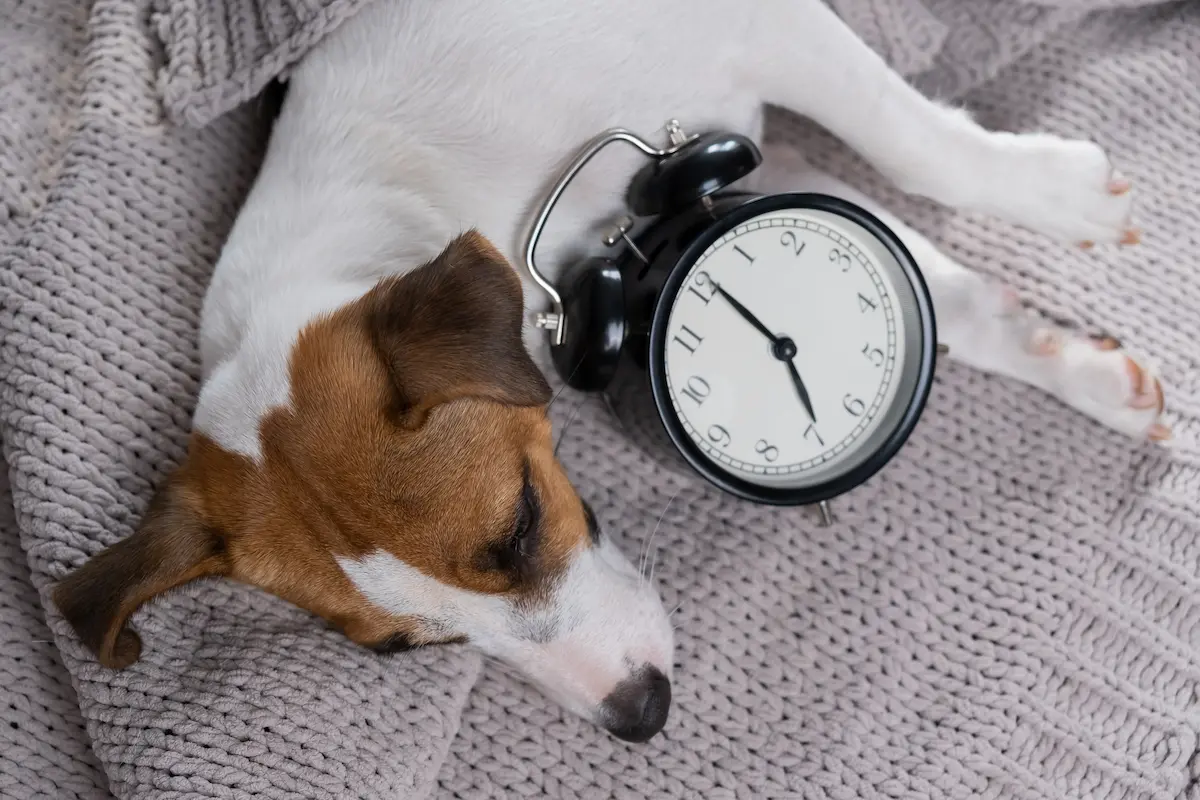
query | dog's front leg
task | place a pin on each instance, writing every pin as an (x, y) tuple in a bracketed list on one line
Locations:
[(985, 327), (816, 66)]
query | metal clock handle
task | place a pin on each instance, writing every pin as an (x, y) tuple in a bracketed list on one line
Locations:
[(556, 321)]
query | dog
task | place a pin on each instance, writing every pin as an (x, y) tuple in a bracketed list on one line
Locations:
[(371, 439)]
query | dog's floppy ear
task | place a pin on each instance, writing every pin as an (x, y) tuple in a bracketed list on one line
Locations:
[(170, 547), (452, 328)]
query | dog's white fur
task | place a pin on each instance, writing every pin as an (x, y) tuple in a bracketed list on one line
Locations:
[(605, 622), (416, 121)]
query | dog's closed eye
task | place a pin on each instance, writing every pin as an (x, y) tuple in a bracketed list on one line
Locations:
[(592, 523), (528, 519), (515, 554)]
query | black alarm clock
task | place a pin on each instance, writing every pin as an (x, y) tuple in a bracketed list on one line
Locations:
[(782, 346)]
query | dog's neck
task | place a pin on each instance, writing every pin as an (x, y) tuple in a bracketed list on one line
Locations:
[(345, 222), (313, 234)]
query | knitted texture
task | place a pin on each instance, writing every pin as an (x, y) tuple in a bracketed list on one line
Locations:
[(237, 693), (1007, 611), (219, 55), (44, 752), (907, 33)]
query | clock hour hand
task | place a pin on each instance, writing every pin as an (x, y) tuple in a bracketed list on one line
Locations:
[(800, 390), (782, 348), (745, 313)]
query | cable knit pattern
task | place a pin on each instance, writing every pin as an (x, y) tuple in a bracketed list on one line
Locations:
[(44, 752), (1008, 611), (220, 55)]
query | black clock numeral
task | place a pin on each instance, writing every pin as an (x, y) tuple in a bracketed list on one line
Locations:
[(789, 239), (768, 451), (688, 338), (843, 259), (744, 254), (698, 389), (873, 354), (719, 436), (854, 406), (812, 428), (703, 280), (865, 303)]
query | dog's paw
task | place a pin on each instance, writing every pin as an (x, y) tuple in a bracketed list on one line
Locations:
[(1097, 377), (1062, 188)]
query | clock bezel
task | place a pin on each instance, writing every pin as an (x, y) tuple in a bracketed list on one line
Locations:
[(902, 429)]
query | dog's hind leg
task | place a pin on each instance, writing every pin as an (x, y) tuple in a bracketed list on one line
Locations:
[(985, 327), (813, 64)]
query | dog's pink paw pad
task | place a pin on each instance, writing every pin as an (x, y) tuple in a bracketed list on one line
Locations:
[(1046, 342)]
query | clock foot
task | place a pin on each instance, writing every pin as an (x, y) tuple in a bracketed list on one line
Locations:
[(826, 513)]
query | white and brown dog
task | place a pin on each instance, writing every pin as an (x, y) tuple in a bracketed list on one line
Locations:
[(371, 441)]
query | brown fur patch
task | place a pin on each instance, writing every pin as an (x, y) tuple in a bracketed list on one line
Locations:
[(414, 415)]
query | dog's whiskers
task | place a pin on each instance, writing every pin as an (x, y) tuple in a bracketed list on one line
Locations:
[(653, 564), (566, 382), (567, 426), (650, 541), (554, 399)]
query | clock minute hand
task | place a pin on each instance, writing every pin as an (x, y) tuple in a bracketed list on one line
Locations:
[(745, 313)]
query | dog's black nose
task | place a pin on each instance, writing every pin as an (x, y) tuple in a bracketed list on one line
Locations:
[(637, 709)]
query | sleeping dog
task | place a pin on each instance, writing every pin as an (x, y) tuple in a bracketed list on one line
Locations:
[(371, 440)]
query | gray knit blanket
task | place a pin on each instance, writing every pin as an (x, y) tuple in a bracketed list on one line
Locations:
[(1010, 610)]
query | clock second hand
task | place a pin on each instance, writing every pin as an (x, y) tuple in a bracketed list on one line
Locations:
[(782, 348)]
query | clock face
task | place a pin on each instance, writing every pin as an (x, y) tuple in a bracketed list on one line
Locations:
[(785, 347)]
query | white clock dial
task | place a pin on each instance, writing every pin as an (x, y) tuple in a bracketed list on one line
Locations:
[(814, 282)]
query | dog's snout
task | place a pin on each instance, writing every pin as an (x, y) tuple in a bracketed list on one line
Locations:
[(637, 709)]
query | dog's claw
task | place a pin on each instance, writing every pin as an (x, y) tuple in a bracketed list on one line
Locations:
[(1144, 396), (1119, 186), (1086, 245), (1067, 189), (1131, 236), (1143, 401), (1096, 376)]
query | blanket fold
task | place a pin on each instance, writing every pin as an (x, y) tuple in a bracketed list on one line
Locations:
[(1008, 611)]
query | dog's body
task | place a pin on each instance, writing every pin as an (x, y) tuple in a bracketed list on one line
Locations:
[(366, 423)]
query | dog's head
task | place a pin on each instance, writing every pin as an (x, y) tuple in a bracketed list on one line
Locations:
[(408, 493)]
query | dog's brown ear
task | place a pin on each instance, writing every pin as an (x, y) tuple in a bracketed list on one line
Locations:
[(452, 328), (170, 547)]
